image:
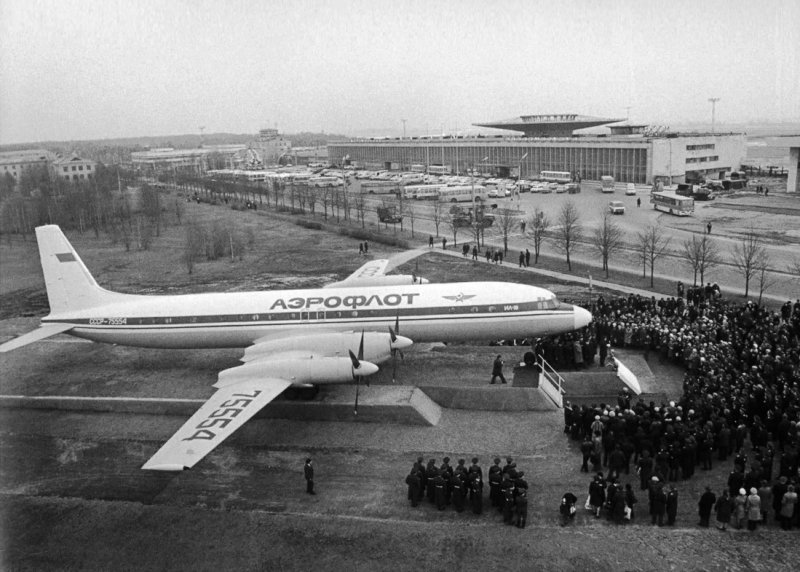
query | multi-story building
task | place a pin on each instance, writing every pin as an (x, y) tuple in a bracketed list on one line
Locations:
[(73, 168), (16, 162), (630, 155)]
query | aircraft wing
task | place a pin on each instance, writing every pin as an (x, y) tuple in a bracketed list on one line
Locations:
[(227, 410), (44, 331), (372, 269)]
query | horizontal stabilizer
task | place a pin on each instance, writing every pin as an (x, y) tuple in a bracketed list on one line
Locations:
[(45, 331)]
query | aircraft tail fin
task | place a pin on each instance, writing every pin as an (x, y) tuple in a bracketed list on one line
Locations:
[(70, 285)]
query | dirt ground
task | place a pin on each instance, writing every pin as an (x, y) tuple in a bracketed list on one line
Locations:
[(72, 495)]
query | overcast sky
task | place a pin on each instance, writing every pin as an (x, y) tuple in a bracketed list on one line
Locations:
[(83, 69)]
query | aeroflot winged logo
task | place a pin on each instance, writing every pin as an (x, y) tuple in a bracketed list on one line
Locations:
[(460, 297)]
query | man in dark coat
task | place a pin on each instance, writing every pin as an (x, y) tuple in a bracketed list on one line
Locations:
[(521, 506), (672, 505), (457, 492), (495, 478), (308, 472), (597, 494), (413, 482), (431, 472), (476, 489), (497, 369), (705, 506), (440, 489), (658, 501), (586, 450), (507, 490)]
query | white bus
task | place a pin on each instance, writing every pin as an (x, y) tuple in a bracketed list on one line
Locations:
[(672, 203), (607, 184), (438, 169), (562, 177), (462, 194), (324, 181), (417, 168), (422, 192)]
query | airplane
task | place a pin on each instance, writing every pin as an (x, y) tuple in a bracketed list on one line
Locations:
[(300, 338)]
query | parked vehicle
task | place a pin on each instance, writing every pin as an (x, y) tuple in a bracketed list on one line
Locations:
[(616, 207)]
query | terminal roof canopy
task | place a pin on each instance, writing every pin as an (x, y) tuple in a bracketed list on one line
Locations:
[(548, 125)]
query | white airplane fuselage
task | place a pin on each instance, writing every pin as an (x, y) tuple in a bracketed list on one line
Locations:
[(425, 312)]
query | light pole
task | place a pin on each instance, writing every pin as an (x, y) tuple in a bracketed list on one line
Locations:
[(519, 177), (713, 101), (404, 128)]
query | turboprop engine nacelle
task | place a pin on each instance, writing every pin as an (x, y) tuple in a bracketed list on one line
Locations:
[(312, 370), (378, 346)]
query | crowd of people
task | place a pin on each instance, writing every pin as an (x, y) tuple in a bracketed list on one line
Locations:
[(462, 487), (741, 388)]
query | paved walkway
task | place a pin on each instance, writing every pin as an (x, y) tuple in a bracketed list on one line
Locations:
[(515, 245)]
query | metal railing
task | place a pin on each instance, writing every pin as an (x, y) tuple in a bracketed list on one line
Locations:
[(551, 383)]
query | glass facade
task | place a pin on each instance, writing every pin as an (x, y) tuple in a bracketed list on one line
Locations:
[(626, 163)]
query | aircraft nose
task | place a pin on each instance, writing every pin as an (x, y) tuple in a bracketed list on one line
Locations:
[(401, 343), (582, 317), (367, 368)]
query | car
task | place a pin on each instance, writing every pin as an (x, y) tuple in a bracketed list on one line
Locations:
[(630, 189), (493, 193), (616, 207), (561, 188)]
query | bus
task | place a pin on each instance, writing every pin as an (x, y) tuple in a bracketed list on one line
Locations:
[(562, 177), (462, 194), (379, 187), (607, 184), (672, 203), (438, 169), (417, 168), (422, 192)]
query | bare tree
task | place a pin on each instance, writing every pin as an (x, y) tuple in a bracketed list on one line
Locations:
[(794, 268), (701, 254), (608, 239), (194, 244), (453, 222), (538, 225), (746, 256), (653, 245), (766, 280), (411, 212), (360, 203), (325, 200), (437, 215), (505, 221), (568, 229)]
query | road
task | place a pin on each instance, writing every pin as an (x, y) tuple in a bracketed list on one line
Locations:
[(730, 217)]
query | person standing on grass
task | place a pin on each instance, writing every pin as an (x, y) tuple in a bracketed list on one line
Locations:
[(497, 369), (308, 472), (724, 509)]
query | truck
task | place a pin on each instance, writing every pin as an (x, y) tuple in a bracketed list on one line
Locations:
[(464, 216), (389, 215)]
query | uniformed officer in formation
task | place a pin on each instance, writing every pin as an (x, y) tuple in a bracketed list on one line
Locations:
[(455, 485), (495, 478)]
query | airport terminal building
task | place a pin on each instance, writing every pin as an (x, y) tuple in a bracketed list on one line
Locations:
[(629, 153)]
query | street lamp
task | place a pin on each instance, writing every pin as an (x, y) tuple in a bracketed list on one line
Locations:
[(519, 177), (713, 101)]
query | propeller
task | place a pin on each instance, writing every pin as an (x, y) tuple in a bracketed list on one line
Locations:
[(356, 366), (393, 336)]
